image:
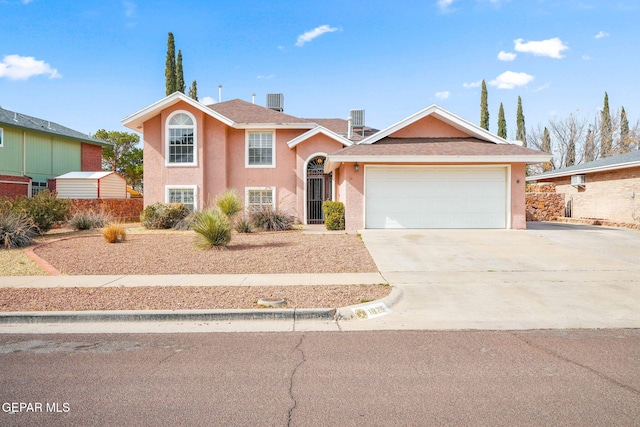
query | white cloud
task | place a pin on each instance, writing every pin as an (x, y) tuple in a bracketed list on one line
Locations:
[(510, 80), (129, 8), (443, 95), (444, 5), (602, 34), (207, 100), (312, 34), (16, 67), (472, 84), (552, 47), (506, 56)]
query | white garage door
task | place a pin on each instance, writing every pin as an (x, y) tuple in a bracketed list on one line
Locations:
[(435, 197)]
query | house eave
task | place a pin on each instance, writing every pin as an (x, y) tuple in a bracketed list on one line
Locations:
[(317, 129), (585, 171), (273, 125)]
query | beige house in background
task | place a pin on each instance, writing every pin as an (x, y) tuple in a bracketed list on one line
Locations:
[(607, 188), (430, 170)]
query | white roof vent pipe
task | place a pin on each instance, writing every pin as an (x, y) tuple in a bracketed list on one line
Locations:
[(253, 98), (219, 93), (349, 133)]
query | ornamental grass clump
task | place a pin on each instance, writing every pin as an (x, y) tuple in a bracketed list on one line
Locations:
[(17, 230), (229, 203), (114, 233), (88, 220), (268, 219), (243, 225), (213, 229)]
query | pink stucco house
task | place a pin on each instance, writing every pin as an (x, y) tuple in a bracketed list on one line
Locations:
[(430, 170)]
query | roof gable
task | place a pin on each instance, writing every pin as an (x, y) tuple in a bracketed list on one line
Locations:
[(136, 120), (449, 122), (315, 131)]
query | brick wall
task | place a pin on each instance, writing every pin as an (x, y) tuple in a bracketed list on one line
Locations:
[(543, 203), (120, 209), (91, 158), (17, 187), (611, 195)]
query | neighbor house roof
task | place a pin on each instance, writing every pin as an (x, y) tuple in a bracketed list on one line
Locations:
[(620, 161), (11, 118)]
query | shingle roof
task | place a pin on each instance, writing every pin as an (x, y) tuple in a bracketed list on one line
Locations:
[(245, 112), (23, 121), (341, 127), (435, 147), (632, 158)]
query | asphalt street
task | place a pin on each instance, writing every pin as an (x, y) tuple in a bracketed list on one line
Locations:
[(377, 378)]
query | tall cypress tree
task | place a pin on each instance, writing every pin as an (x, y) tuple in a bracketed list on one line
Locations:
[(546, 147), (193, 91), (624, 131), (606, 129), (170, 66), (179, 76), (484, 107), (502, 123), (521, 131)]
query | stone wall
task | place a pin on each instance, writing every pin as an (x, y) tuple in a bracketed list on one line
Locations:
[(120, 209), (543, 203)]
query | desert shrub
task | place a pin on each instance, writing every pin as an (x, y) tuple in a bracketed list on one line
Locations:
[(213, 229), (268, 219), (333, 215), (229, 203), (44, 209), (163, 215), (114, 233), (185, 223), (243, 225), (16, 230), (87, 220)]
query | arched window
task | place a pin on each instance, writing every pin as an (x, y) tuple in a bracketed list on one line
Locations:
[(181, 139)]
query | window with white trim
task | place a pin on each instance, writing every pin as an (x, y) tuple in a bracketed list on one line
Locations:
[(259, 198), (1, 137), (181, 139), (38, 187), (260, 149), (182, 194)]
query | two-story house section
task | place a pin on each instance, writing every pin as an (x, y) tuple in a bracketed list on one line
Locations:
[(34, 151)]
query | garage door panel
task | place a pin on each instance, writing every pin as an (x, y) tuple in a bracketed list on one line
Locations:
[(432, 197)]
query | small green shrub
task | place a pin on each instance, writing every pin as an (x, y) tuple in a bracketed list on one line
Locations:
[(87, 220), (229, 203), (44, 209), (243, 225), (333, 215), (163, 215), (213, 229), (114, 233), (268, 219), (16, 230)]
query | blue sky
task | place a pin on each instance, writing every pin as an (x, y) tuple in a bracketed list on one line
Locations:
[(87, 64)]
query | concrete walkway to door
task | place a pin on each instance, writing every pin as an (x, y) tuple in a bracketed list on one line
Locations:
[(549, 276)]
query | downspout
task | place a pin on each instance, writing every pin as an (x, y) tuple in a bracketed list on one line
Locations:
[(24, 153)]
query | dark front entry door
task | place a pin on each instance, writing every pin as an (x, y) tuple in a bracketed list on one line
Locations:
[(318, 190)]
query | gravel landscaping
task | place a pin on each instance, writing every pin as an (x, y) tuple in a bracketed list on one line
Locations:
[(150, 253)]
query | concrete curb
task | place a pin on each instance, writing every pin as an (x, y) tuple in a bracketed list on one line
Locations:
[(346, 313), (165, 315)]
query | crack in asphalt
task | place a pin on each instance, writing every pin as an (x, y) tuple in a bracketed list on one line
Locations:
[(293, 374), (573, 362)]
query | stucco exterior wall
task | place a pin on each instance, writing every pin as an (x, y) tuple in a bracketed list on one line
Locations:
[(429, 127), (611, 195)]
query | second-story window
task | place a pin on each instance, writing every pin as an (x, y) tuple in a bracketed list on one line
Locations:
[(181, 139), (260, 149)]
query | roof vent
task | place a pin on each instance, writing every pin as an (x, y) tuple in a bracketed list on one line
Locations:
[(275, 101)]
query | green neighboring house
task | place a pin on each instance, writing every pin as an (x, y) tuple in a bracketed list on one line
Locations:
[(34, 151)]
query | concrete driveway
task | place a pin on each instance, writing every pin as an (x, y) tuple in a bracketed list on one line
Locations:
[(549, 276)]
